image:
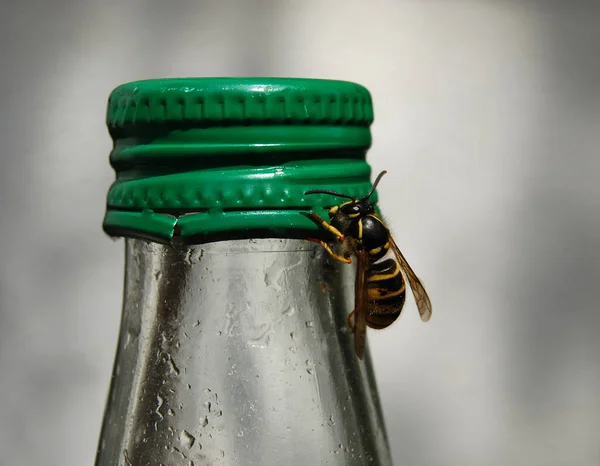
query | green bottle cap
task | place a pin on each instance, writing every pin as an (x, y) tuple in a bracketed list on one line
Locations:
[(209, 158)]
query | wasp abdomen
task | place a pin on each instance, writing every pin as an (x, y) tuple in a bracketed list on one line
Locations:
[(387, 293)]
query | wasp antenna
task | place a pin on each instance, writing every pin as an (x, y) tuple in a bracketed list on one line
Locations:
[(375, 183), (325, 191)]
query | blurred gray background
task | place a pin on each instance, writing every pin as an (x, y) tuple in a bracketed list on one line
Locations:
[(488, 120)]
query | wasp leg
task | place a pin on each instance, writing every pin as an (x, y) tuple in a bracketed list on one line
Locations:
[(326, 225), (351, 320), (337, 257)]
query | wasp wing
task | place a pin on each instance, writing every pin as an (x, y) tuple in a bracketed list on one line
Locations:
[(360, 303), (423, 302)]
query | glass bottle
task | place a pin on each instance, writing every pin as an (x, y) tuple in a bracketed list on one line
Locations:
[(234, 347)]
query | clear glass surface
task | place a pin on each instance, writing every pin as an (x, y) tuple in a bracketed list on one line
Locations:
[(238, 353)]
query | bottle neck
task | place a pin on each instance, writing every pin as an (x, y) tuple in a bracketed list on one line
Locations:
[(237, 352)]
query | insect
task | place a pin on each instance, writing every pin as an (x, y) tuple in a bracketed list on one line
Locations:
[(380, 288)]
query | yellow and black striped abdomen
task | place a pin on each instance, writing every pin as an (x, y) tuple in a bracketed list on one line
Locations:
[(387, 293)]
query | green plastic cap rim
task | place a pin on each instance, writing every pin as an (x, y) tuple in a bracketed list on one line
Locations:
[(212, 157)]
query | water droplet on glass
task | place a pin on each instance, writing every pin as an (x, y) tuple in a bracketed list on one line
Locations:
[(331, 422), (219, 413), (292, 335), (186, 439), (309, 367), (290, 311), (158, 275), (173, 369), (126, 458), (189, 256), (130, 336), (219, 333), (170, 412), (262, 340), (207, 405), (309, 324), (204, 421), (276, 274), (268, 277), (188, 386), (160, 403), (179, 452), (164, 343)]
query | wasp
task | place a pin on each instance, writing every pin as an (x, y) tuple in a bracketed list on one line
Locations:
[(381, 269)]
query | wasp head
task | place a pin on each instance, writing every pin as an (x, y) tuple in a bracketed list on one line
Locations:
[(352, 209)]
